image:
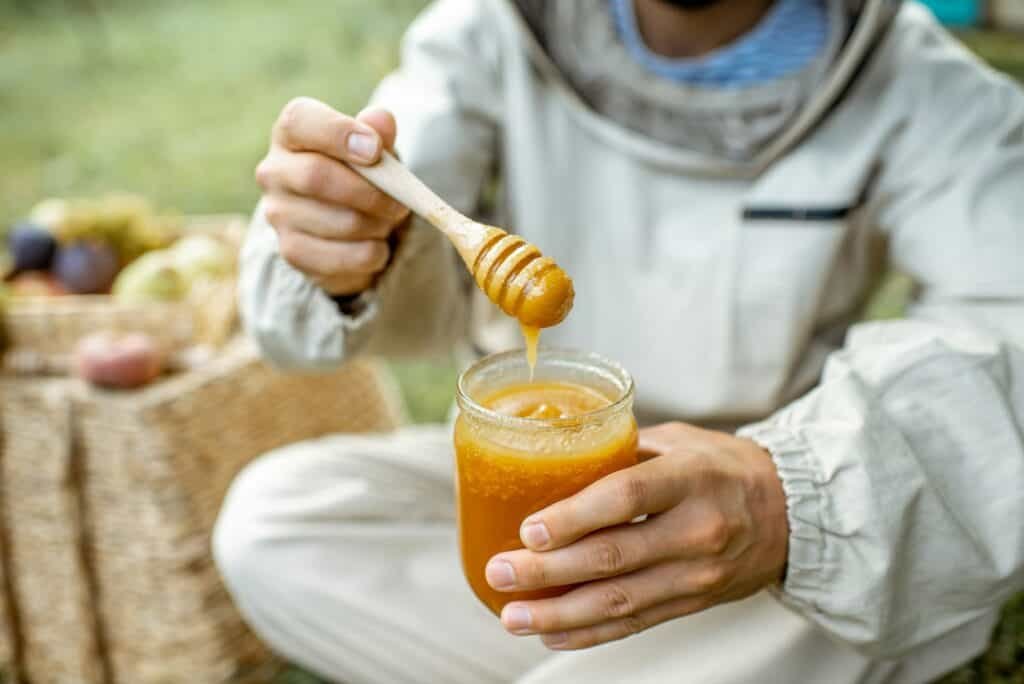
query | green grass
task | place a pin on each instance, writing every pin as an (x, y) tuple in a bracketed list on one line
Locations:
[(174, 100), (1004, 51)]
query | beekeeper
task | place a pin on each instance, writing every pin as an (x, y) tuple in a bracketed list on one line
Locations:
[(725, 180)]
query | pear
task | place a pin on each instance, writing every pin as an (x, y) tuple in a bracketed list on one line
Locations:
[(200, 257), (52, 214), (151, 277)]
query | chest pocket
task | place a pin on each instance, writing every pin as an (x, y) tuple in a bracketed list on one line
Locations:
[(787, 257)]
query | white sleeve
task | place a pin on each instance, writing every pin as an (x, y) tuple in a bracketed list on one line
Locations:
[(904, 469), (446, 98)]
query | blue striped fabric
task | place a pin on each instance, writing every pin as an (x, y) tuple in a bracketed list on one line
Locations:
[(787, 39)]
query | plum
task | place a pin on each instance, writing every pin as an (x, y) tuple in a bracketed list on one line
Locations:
[(124, 362), (32, 246), (86, 267)]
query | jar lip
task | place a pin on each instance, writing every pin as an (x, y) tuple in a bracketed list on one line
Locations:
[(465, 401)]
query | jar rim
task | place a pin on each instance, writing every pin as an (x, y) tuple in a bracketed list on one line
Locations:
[(468, 403)]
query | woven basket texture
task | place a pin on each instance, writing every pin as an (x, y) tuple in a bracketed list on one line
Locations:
[(108, 501)]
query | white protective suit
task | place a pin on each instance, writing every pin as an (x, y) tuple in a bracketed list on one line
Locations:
[(727, 288)]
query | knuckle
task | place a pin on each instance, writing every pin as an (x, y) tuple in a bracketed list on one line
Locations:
[(616, 601), (367, 256), (607, 558), (291, 113), (313, 178), (264, 173), (534, 572), (713, 535), (274, 211), (633, 624), (710, 579), (632, 493)]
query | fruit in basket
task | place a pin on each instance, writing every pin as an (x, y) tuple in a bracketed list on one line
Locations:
[(124, 362), (32, 246), (86, 267), (36, 284), (151, 277), (51, 214), (201, 256), (127, 223)]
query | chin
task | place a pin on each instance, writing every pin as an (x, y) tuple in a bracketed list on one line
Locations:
[(690, 4)]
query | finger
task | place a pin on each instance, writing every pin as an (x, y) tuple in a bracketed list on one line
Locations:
[(607, 553), (313, 175), (382, 121), (309, 125), (344, 283), (327, 258), (665, 437), (649, 487), (621, 628), (615, 599), (328, 221)]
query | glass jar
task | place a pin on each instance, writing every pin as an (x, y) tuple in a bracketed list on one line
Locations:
[(508, 467)]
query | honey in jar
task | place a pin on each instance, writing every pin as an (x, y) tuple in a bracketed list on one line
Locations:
[(521, 446)]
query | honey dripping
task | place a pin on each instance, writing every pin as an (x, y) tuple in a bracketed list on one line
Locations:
[(531, 335)]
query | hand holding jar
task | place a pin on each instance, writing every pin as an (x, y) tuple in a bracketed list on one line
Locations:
[(715, 531)]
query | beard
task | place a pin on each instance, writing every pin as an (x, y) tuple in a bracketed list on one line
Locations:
[(691, 4)]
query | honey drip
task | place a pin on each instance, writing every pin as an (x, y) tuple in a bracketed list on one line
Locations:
[(531, 335)]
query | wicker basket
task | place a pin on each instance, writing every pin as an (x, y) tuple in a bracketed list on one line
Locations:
[(108, 503), (43, 557), (48, 328)]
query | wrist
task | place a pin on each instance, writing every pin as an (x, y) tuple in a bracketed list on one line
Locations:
[(767, 499)]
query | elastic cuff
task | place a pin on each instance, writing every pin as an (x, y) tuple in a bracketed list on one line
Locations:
[(357, 314), (354, 306), (794, 462)]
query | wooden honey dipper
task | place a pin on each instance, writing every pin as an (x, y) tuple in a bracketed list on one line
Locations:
[(512, 273)]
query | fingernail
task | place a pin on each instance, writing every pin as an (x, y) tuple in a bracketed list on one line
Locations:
[(500, 574), (555, 639), (516, 617), (362, 146), (535, 535)]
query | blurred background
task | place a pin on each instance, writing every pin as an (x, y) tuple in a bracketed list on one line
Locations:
[(173, 102)]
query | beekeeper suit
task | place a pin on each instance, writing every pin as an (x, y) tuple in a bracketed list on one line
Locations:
[(722, 243)]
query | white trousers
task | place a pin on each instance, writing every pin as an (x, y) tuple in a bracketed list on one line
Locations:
[(341, 554)]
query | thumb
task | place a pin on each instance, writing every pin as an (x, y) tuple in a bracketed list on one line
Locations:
[(382, 121)]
